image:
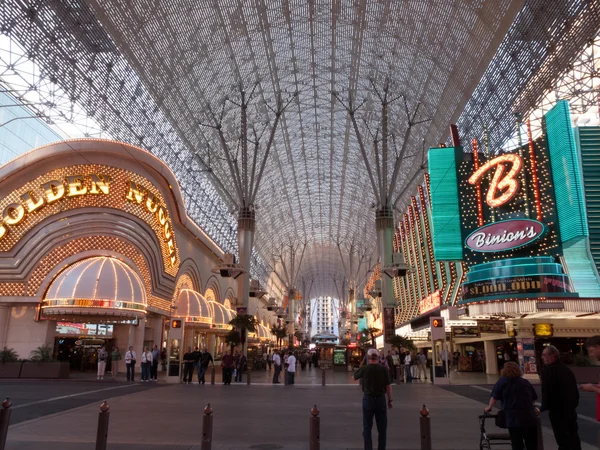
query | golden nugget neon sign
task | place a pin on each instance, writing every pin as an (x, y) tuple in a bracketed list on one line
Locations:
[(78, 185), (137, 194), (52, 191)]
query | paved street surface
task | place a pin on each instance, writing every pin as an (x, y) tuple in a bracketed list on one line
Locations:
[(63, 414)]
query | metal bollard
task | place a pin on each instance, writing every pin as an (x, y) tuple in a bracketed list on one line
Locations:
[(102, 434), (315, 429), (425, 423), (398, 375), (212, 375), (4, 420), (207, 423), (323, 377), (248, 378)]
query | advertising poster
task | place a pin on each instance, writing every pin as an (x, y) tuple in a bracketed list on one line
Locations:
[(546, 284), (526, 353), (465, 332), (492, 326), (339, 357)]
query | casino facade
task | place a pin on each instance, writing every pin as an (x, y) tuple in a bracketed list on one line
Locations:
[(498, 242), (96, 249)]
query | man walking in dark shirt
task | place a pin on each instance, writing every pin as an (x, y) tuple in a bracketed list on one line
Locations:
[(188, 366), (375, 384), (205, 360), (560, 397)]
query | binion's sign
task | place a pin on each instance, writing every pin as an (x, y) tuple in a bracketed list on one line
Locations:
[(507, 204), (505, 235)]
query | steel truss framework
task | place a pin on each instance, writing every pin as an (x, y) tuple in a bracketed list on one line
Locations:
[(148, 73), (195, 58), (57, 60), (533, 60)]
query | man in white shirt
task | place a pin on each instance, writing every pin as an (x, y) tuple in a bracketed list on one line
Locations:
[(277, 363), (130, 358), (407, 360), (291, 361)]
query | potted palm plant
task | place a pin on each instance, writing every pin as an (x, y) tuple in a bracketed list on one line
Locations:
[(371, 332), (41, 364), (233, 339), (280, 333), (244, 323), (402, 342), (10, 366)]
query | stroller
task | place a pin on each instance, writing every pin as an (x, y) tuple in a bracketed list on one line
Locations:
[(486, 440)]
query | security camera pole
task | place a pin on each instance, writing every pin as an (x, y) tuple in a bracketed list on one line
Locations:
[(246, 167), (383, 184)]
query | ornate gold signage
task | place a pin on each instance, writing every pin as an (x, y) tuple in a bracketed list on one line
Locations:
[(50, 192), (84, 186), (138, 194)]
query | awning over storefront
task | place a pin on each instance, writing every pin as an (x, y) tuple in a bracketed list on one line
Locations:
[(221, 316), (99, 286), (192, 306)]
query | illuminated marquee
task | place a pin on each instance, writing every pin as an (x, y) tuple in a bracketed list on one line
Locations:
[(430, 302), (50, 192), (507, 186), (505, 211), (505, 235), (84, 186), (138, 194)]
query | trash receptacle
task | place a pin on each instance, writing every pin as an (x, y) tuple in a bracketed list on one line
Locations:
[(173, 369), (440, 371)]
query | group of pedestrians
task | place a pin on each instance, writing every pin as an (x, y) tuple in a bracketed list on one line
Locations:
[(149, 363), (402, 364), (560, 397), (287, 361), (199, 360)]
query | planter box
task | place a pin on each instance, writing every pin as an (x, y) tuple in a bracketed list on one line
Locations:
[(45, 370), (10, 370), (586, 374)]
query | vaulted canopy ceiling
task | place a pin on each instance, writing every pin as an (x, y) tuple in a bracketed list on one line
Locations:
[(197, 57), (162, 73)]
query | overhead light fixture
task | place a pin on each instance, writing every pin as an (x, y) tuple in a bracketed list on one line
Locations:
[(255, 289), (229, 268), (398, 267)]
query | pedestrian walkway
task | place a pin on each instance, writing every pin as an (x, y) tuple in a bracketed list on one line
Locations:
[(314, 377), (256, 418)]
